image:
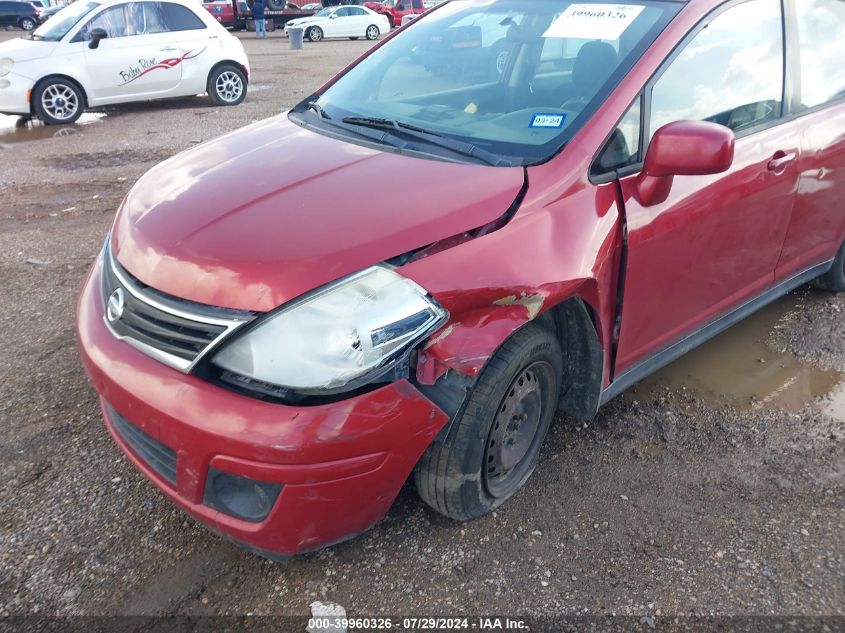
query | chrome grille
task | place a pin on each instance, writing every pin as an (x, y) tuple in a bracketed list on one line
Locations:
[(174, 331)]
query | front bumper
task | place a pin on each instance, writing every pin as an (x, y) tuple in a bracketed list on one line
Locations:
[(340, 465), (14, 94)]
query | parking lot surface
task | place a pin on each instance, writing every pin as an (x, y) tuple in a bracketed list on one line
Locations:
[(715, 487)]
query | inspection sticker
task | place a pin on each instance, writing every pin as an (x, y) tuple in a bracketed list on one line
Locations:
[(547, 120), (594, 21)]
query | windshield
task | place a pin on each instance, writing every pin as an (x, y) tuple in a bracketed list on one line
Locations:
[(516, 78), (324, 12), (58, 26)]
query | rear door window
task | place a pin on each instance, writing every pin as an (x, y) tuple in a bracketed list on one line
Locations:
[(821, 37)]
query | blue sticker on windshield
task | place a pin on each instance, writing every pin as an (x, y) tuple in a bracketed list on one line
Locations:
[(552, 121)]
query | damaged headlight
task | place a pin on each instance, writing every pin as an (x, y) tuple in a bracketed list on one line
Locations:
[(336, 338), (6, 66)]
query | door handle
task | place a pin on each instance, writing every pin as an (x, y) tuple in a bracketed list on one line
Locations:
[(168, 49), (780, 161)]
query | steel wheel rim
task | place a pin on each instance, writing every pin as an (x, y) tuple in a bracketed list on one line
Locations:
[(372, 32), (28, 24), (316, 34), (229, 86), (60, 101), (515, 431)]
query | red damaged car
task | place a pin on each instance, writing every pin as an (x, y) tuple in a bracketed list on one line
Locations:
[(279, 356)]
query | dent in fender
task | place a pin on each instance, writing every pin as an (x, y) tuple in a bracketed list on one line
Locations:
[(466, 345)]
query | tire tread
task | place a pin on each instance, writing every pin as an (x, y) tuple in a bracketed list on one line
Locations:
[(440, 467)]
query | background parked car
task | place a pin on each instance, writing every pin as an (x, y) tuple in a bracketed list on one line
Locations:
[(343, 21), (20, 14), (49, 12), (395, 10), (96, 54)]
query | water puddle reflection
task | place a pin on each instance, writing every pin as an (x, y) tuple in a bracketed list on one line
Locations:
[(739, 368), (16, 129)]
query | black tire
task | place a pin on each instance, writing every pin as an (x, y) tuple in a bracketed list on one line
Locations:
[(372, 32), (314, 34), (454, 475), (227, 85), (28, 24), (834, 279), (58, 101)]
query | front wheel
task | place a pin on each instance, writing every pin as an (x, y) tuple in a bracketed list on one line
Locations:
[(58, 101), (373, 32), (227, 85), (28, 24), (315, 34), (492, 447)]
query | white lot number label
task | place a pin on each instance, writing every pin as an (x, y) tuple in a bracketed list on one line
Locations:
[(594, 21)]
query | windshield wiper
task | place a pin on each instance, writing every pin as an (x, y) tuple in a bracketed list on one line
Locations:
[(432, 138)]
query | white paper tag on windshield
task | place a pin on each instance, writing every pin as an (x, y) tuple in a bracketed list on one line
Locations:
[(594, 21)]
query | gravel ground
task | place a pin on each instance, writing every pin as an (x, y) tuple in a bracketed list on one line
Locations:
[(671, 502)]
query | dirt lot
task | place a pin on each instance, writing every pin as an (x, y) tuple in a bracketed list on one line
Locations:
[(716, 487)]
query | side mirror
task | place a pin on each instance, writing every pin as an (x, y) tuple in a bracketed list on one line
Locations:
[(97, 35), (333, 16), (683, 148)]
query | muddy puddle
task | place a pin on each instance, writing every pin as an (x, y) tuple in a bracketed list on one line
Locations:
[(741, 369), (16, 129)]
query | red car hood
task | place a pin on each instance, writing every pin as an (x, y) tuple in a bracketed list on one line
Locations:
[(262, 215)]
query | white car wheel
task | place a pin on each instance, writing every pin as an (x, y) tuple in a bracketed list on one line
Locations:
[(315, 33), (58, 101), (227, 86)]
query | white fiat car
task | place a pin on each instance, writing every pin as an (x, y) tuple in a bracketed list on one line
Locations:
[(343, 21), (96, 53)]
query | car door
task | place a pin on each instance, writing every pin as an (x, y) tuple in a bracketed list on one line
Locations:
[(7, 14), (817, 227), (200, 46), (715, 242), (338, 23), (138, 59), (359, 20)]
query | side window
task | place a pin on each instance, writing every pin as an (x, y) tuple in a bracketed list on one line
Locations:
[(623, 146), (418, 4), (730, 73), (821, 38), (179, 18), (342, 13), (148, 18), (356, 11), (116, 21), (126, 20)]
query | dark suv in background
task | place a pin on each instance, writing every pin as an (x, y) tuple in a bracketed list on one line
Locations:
[(21, 14)]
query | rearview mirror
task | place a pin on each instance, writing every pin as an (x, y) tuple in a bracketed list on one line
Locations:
[(97, 35), (683, 148)]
